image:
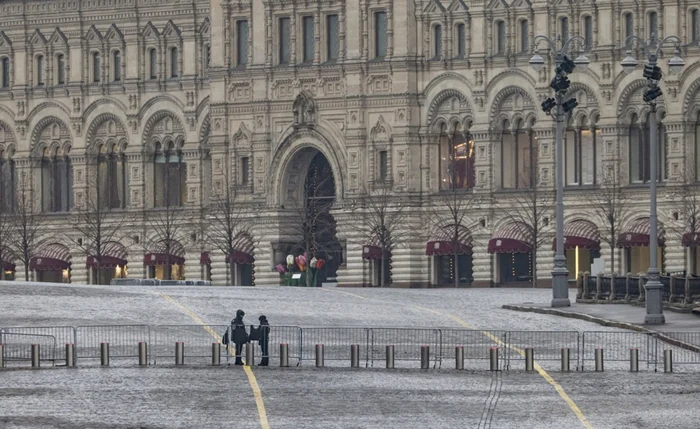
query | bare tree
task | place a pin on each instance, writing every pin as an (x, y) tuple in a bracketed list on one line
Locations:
[(25, 224), (531, 209), (226, 222), (688, 192), (5, 232), (448, 213), (167, 225), (95, 225), (611, 205), (310, 220), (384, 222)]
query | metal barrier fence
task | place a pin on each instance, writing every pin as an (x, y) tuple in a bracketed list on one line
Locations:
[(474, 345), (123, 340)]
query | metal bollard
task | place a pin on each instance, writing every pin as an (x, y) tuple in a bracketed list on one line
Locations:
[(565, 360), (143, 353), (634, 360), (319, 356), (215, 354), (425, 357), (668, 360), (2, 356), (284, 355), (249, 354), (493, 357), (599, 360), (179, 353), (390, 356), (104, 354), (70, 355), (36, 361), (354, 356), (459, 357), (529, 359)]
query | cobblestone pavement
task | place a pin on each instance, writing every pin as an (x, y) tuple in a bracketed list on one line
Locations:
[(191, 397)]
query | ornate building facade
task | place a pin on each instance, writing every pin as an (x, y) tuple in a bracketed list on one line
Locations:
[(169, 104)]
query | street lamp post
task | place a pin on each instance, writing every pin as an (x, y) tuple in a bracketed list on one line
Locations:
[(560, 84), (652, 49)]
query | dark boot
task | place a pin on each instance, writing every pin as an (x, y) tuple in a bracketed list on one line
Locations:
[(264, 361), (239, 361)]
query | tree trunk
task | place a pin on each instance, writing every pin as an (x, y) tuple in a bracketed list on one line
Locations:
[(382, 276), (456, 262), (533, 267), (26, 272), (694, 262), (167, 272)]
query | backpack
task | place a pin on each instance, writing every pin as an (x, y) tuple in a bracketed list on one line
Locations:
[(224, 339)]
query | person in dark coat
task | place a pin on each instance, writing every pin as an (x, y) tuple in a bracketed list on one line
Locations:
[(264, 340), (239, 335)]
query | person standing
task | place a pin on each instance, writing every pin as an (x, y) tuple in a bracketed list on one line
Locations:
[(264, 340), (239, 335)]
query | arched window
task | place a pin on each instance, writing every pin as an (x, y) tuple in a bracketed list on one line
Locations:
[(169, 177), (40, 70), (437, 41), (695, 26), (7, 183), (56, 183), (96, 67), (456, 159), (5, 72), (653, 24), (564, 29), (61, 69), (518, 157), (117, 66), (697, 147), (640, 151), (460, 36), (629, 27), (500, 37), (112, 179), (588, 31), (582, 154), (524, 36), (153, 64), (173, 62)]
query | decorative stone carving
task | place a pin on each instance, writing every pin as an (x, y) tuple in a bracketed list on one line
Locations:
[(304, 110)]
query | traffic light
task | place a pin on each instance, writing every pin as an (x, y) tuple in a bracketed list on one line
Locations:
[(652, 94), (548, 105), (560, 84), (569, 105), (567, 66), (652, 72)]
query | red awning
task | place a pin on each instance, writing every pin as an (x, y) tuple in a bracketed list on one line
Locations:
[(372, 251), (691, 239), (204, 258), (443, 243), (8, 261), (159, 254), (113, 255), (52, 257), (511, 238), (637, 234), (243, 250), (580, 233)]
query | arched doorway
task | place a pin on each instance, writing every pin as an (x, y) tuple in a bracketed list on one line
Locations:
[(319, 196)]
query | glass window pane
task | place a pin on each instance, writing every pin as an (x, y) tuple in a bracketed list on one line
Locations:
[(5, 72), (245, 167), (524, 36), (153, 63), (117, 66), (437, 41), (96, 67), (653, 23), (629, 25), (588, 156), (588, 31), (501, 37), (564, 29), (40, 70), (662, 171), (524, 160), (61, 65), (284, 51), (508, 155), (242, 43), (695, 26), (383, 165), (445, 160), (635, 148), (571, 155), (332, 37), (380, 28), (308, 27), (174, 66), (460, 40)]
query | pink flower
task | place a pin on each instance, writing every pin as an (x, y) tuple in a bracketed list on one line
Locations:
[(301, 262), (281, 269), (320, 263)]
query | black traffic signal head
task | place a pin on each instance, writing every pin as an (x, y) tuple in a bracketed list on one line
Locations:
[(569, 105), (652, 72), (560, 84), (652, 94), (548, 105), (567, 66)]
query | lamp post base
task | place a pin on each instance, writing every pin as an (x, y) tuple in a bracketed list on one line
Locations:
[(654, 302), (560, 283)]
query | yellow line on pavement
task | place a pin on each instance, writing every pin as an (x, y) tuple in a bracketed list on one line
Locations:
[(548, 378), (249, 372)]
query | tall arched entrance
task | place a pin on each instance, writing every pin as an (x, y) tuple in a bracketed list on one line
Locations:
[(319, 197)]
